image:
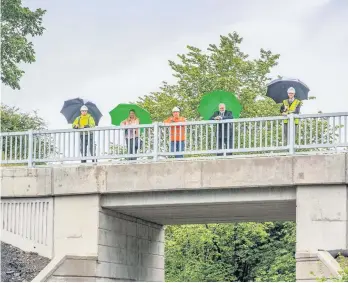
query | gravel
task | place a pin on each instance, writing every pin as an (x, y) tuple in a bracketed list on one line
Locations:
[(19, 266)]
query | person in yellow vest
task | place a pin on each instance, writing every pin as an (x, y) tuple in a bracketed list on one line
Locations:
[(84, 121), (290, 106), (177, 133)]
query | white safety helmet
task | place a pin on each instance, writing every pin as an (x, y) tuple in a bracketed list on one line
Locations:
[(291, 90), (176, 109), (84, 108)]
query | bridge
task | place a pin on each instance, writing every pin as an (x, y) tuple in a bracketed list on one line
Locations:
[(104, 221)]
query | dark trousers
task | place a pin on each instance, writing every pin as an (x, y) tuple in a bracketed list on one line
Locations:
[(86, 141), (177, 146), (132, 147), (225, 143)]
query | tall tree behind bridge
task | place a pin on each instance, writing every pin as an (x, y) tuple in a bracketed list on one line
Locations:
[(222, 66), (17, 24)]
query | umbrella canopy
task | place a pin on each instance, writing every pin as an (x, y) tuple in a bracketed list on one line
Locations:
[(71, 110), (278, 89), (210, 103), (121, 112)]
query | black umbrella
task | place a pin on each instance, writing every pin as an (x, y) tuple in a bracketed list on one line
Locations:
[(71, 110), (278, 89)]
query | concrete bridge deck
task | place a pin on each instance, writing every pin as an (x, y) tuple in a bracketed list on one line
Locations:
[(225, 190), (81, 210)]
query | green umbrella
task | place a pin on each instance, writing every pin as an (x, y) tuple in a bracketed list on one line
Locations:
[(121, 112), (210, 103)]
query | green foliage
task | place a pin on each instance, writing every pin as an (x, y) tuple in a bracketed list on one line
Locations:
[(231, 252), (223, 67), (16, 146), (13, 120), (343, 274), (17, 24)]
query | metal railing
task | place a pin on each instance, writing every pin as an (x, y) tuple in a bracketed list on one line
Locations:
[(266, 135)]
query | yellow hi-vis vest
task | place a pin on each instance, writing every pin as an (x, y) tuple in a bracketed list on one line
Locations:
[(291, 108), (82, 121)]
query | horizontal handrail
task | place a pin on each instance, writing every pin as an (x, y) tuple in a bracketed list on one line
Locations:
[(192, 139)]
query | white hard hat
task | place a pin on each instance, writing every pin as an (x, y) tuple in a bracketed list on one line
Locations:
[(291, 89), (84, 108), (176, 109)]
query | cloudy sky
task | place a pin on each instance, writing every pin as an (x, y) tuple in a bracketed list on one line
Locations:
[(113, 51)]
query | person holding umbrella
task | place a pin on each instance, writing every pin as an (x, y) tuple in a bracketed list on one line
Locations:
[(84, 121), (291, 105), (229, 107), (283, 91), (132, 135), (82, 114), (125, 114), (225, 131)]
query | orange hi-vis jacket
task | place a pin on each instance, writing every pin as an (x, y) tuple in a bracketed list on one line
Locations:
[(177, 133)]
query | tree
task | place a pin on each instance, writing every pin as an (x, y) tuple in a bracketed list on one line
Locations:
[(231, 252), (17, 23), (13, 120), (220, 67)]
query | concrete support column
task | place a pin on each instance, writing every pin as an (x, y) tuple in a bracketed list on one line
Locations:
[(96, 244), (129, 249), (321, 223)]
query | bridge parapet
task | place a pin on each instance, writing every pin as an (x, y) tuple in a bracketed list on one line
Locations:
[(278, 171), (249, 136)]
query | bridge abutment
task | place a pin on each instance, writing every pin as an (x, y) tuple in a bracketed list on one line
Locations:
[(96, 244), (321, 224)]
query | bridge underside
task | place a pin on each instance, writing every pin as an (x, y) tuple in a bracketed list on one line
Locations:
[(207, 206)]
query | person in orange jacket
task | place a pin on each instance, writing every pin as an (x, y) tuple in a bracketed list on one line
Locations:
[(177, 133)]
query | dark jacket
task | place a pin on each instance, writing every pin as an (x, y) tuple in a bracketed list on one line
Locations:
[(227, 129)]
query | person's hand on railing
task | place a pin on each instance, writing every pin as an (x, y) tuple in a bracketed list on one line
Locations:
[(76, 127)]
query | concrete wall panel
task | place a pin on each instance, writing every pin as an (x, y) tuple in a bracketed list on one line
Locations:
[(79, 180), (247, 172), (320, 169), (321, 218), (22, 182), (75, 222), (132, 245)]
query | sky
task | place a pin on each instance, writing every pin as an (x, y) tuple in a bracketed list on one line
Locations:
[(112, 51)]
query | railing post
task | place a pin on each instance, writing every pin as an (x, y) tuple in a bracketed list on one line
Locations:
[(155, 140), (291, 134), (30, 148)]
